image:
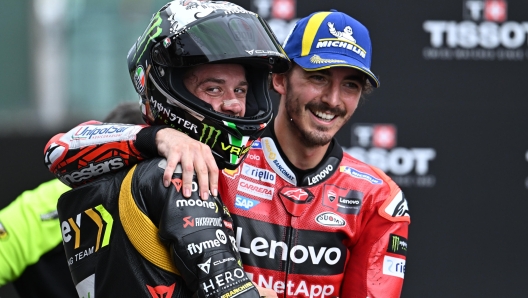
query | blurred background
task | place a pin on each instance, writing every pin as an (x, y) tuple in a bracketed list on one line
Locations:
[(448, 123)]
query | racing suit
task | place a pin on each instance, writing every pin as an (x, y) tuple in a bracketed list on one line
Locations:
[(337, 230), (126, 235)]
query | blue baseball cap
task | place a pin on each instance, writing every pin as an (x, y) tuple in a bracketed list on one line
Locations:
[(330, 39)]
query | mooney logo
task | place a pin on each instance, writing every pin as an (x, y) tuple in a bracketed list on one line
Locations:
[(197, 203)]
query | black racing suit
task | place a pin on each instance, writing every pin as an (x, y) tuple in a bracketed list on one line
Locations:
[(126, 235)]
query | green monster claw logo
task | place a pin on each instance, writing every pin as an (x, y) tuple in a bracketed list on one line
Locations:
[(208, 128), (152, 32), (398, 245)]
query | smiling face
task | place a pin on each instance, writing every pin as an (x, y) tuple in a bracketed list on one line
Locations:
[(223, 86), (316, 104)]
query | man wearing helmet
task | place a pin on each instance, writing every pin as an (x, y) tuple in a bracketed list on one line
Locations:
[(310, 220), (126, 234)]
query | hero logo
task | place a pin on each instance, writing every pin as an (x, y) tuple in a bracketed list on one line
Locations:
[(92, 170), (193, 248), (225, 280), (393, 266), (258, 174), (485, 34), (329, 219), (298, 254), (374, 145)]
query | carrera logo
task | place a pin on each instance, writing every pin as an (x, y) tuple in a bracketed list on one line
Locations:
[(92, 170), (254, 189), (329, 219), (258, 174)]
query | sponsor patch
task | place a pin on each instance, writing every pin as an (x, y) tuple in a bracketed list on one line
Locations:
[(256, 145), (160, 291), (393, 266), (231, 173), (258, 173), (139, 79), (330, 219), (296, 200), (276, 162), (360, 175), (245, 203), (342, 200), (397, 245), (255, 189)]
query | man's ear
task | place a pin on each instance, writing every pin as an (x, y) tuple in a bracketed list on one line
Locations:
[(279, 83)]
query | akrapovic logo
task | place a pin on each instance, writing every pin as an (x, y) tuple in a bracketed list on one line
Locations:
[(190, 221), (92, 170)]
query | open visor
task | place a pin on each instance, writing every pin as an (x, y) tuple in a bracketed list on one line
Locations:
[(222, 37)]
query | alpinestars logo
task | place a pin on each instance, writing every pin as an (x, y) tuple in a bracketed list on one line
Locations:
[(297, 195), (205, 266), (93, 169)]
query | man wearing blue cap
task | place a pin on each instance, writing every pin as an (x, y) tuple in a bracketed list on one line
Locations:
[(310, 220)]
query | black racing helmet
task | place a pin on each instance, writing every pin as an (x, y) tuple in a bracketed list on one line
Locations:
[(183, 34)]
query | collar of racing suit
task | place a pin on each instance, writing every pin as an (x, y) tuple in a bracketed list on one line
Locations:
[(324, 170)]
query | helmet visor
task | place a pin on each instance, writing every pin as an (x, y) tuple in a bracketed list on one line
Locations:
[(221, 37)]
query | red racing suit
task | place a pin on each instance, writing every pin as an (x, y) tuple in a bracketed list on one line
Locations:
[(337, 230)]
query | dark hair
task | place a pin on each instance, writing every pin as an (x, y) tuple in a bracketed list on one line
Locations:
[(126, 112)]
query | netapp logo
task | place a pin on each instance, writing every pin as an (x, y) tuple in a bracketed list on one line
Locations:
[(92, 170), (485, 34)]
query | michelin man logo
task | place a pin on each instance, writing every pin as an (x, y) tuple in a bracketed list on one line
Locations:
[(346, 34)]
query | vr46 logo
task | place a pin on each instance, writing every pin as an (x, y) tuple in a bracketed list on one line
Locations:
[(210, 136)]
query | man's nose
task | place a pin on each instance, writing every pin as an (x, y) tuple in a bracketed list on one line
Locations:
[(332, 95), (232, 106)]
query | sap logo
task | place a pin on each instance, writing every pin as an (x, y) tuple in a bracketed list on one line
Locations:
[(92, 170), (197, 203), (245, 203), (393, 266), (298, 254), (329, 219), (258, 174)]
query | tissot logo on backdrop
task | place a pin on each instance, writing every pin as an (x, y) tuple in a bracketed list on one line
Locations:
[(375, 144), (484, 34)]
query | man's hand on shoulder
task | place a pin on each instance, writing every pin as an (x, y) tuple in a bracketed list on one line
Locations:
[(194, 156)]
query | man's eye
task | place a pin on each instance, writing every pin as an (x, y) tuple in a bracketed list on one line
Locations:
[(317, 78), (241, 90), (213, 89)]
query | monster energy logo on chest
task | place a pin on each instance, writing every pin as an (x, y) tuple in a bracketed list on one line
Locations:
[(210, 136)]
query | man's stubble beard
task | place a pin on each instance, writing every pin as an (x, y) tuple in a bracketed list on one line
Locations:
[(310, 138)]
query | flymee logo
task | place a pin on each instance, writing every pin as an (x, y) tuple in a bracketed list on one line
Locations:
[(376, 144), (484, 33)]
